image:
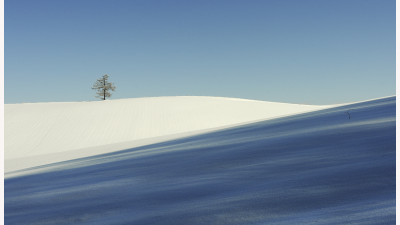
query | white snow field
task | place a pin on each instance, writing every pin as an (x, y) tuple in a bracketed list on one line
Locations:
[(42, 133), (320, 167)]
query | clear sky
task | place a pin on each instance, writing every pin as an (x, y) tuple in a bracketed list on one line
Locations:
[(296, 51)]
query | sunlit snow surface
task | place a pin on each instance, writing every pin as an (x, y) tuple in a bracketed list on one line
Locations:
[(314, 168)]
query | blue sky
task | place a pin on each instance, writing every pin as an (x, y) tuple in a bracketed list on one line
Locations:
[(297, 51)]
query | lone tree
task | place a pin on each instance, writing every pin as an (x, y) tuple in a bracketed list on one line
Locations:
[(103, 87)]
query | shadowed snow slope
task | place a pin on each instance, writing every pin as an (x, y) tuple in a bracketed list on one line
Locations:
[(314, 168), (33, 129)]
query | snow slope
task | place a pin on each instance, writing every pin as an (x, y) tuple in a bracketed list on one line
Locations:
[(35, 130), (315, 168)]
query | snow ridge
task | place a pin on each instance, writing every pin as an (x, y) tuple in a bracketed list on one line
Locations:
[(37, 129)]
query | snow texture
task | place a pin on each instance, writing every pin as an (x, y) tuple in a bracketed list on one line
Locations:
[(42, 133), (315, 168)]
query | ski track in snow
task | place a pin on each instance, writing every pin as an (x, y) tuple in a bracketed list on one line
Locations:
[(314, 168)]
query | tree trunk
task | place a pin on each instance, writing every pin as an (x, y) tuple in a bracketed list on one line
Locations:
[(104, 89)]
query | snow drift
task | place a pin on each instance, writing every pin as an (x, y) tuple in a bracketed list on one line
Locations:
[(35, 130), (314, 168)]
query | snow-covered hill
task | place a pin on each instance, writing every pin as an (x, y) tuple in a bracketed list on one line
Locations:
[(49, 132), (320, 167)]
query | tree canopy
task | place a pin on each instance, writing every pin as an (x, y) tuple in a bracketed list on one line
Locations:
[(103, 87)]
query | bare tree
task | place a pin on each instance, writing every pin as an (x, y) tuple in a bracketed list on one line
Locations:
[(103, 87), (348, 114)]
